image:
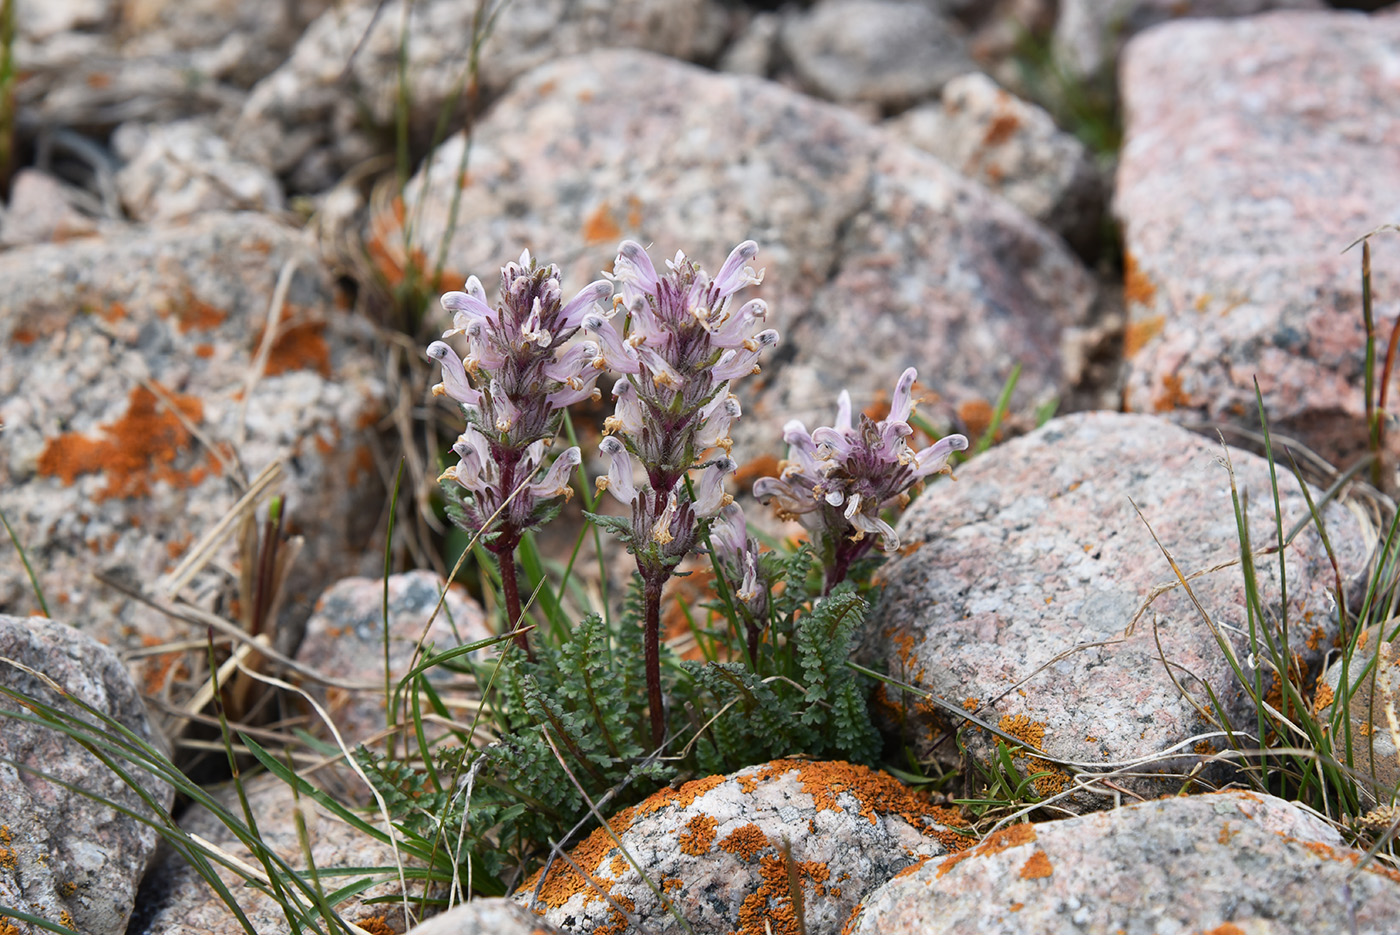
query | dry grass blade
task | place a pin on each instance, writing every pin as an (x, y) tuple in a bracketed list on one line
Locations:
[(271, 331), (199, 555)]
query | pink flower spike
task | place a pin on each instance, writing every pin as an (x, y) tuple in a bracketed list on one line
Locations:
[(466, 307), (627, 412), (832, 444), (571, 363), (633, 269), (617, 354), (733, 331), (733, 364), (935, 457), (730, 533), (575, 389), (709, 492), (555, 482), (454, 375)]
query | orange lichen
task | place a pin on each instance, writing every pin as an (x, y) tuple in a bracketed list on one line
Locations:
[(1173, 396), (769, 908), (139, 448), (601, 227), (376, 925), (682, 797), (912, 868), (618, 866), (563, 881), (1031, 733), (1037, 867), (7, 929), (971, 704), (7, 859), (1001, 129), (1324, 697), (23, 336), (1203, 748), (1136, 286), (1138, 333), (1228, 928), (1225, 834), (876, 793), (699, 835), (995, 843), (745, 842), (193, 313), (976, 415), (296, 347)]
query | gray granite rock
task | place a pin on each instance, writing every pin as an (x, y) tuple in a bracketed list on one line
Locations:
[(41, 211), (715, 846), (877, 255), (313, 117), (179, 902), (1021, 595), (1256, 150), (133, 417), (93, 64), (1235, 863), (176, 171), (486, 917), (345, 638), (891, 53), (1014, 148), (64, 857), (1089, 33)]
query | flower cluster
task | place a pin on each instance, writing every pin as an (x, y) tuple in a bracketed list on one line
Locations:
[(682, 344), (518, 376), (838, 478), (513, 386)]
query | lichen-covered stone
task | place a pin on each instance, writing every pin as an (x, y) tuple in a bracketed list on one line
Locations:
[(882, 52), (176, 171), (877, 255), (66, 858), (486, 917), (308, 119), (133, 416), (1226, 864), (723, 850), (1014, 148), (345, 639), (1255, 151), (1025, 596), (177, 901), (40, 211)]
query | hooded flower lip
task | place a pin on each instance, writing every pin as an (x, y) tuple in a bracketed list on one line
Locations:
[(838, 478)]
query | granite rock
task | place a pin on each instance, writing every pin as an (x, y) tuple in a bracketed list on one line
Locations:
[(889, 53), (135, 416), (40, 211), (1013, 148), (716, 847), (175, 171), (1023, 596), (877, 255), (177, 901), (345, 638), (1256, 151), (486, 917), (1234, 862), (313, 117), (1375, 684), (1090, 33), (63, 856)]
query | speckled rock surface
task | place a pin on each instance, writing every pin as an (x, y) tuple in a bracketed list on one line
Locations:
[(40, 211), (128, 409), (1235, 863), (175, 171), (1090, 33), (92, 64), (64, 857), (1256, 150), (179, 902), (1373, 688), (1020, 580), (1014, 148), (486, 917), (308, 118), (714, 846), (881, 52), (345, 638), (878, 256)]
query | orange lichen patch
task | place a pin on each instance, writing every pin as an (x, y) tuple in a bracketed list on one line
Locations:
[(681, 798), (7, 859), (1316, 637), (1138, 333), (1136, 286), (5, 837), (1173, 396), (204, 351), (763, 466), (7, 929), (1228, 928), (23, 336), (1001, 129), (995, 843), (601, 226), (671, 884), (745, 842), (376, 925), (618, 865), (1225, 834), (1037, 867), (768, 909), (876, 793), (193, 313), (385, 247), (912, 868), (1031, 733), (699, 835), (634, 212), (971, 704), (361, 465), (296, 347), (1204, 748), (139, 448), (976, 415), (617, 922), (1324, 697), (563, 881)]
